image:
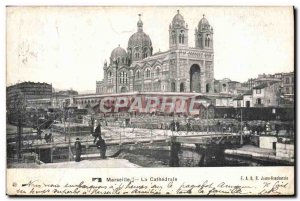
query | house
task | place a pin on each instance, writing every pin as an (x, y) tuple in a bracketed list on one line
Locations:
[(266, 94), (238, 101)]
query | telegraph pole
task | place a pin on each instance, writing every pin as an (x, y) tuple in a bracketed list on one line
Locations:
[(69, 136), (242, 127)]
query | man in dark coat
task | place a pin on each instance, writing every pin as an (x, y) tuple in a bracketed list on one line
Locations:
[(172, 126), (188, 127), (39, 133), (77, 150), (177, 125), (102, 146), (97, 133)]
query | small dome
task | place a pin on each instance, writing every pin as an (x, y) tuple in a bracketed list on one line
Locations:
[(118, 52), (178, 20), (203, 24)]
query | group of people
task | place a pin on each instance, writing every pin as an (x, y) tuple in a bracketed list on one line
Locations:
[(98, 140), (175, 126), (47, 137)]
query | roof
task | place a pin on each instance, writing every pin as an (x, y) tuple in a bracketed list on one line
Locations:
[(178, 19), (118, 52), (203, 23), (249, 92), (264, 85), (239, 97), (139, 39)]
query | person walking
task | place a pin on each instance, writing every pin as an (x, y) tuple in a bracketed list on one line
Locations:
[(101, 145), (97, 133), (77, 150)]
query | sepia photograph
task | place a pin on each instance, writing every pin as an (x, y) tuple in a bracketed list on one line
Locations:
[(142, 99)]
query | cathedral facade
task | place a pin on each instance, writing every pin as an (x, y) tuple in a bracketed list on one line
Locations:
[(179, 69)]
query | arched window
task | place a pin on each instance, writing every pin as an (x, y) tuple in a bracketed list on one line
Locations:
[(157, 72), (123, 60), (147, 73), (137, 75), (109, 78), (137, 54), (123, 77), (182, 36), (181, 87), (208, 42), (200, 40), (119, 60), (145, 52), (173, 37), (207, 88)]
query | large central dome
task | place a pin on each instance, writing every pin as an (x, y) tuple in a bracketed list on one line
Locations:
[(139, 44), (139, 39)]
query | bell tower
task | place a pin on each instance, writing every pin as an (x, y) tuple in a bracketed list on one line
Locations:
[(178, 32), (204, 35)]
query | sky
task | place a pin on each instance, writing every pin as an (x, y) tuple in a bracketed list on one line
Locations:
[(67, 46)]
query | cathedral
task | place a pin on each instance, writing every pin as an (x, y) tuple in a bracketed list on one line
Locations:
[(179, 69)]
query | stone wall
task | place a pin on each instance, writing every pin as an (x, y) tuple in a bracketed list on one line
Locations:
[(285, 150)]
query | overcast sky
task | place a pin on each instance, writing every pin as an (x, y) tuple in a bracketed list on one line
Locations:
[(66, 46)]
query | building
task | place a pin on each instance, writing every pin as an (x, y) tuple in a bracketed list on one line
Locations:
[(62, 98), (100, 88), (27, 92), (30, 90), (266, 94), (247, 99), (263, 95), (181, 102), (227, 86), (243, 100), (288, 83), (179, 69), (65, 93)]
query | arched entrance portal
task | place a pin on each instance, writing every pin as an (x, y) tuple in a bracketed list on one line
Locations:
[(195, 78), (181, 87), (207, 88), (123, 89)]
